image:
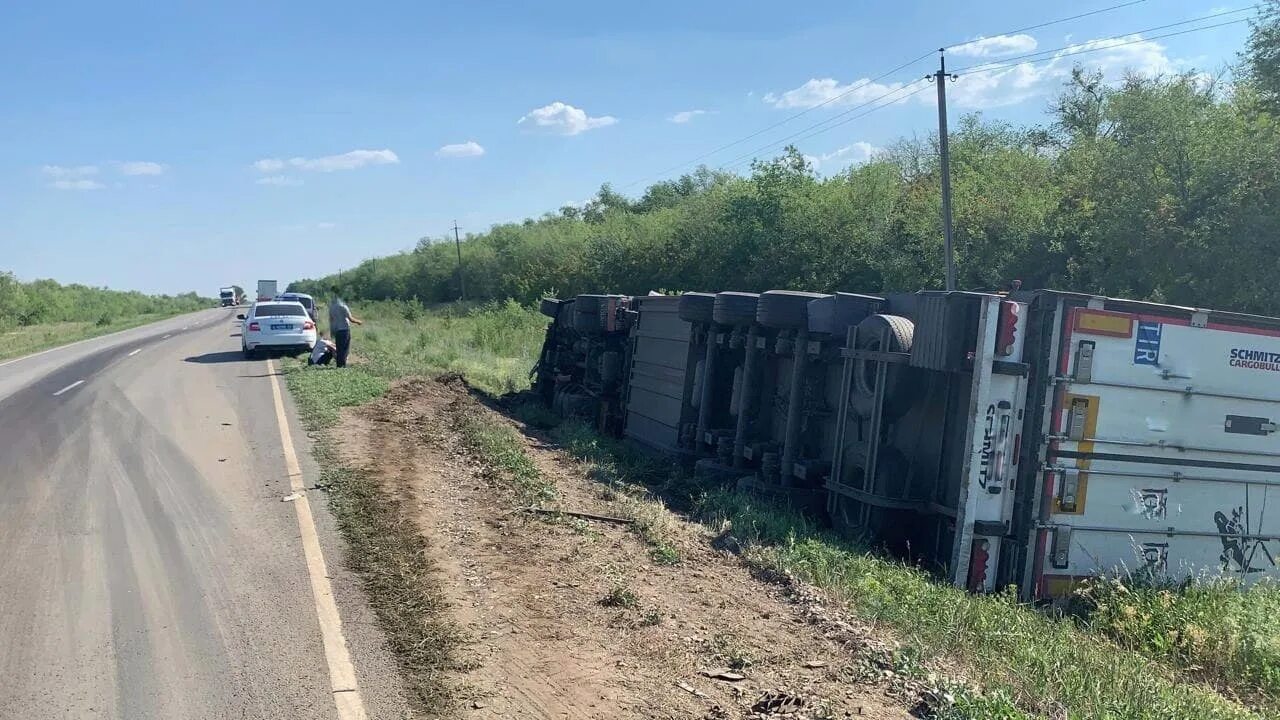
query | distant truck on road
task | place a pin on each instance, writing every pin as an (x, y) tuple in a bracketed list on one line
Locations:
[(267, 289), (228, 297)]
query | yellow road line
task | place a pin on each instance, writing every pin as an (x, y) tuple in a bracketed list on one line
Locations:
[(342, 673)]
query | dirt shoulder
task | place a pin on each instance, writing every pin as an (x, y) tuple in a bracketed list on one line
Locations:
[(573, 618)]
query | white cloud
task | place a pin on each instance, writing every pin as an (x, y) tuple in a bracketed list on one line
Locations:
[(685, 116), (141, 168), (470, 148), (61, 171), (281, 180), (994, 84), (330, 163), (346, 161), (996, 46), (81, 184), (829, 90), (308, 227), (853, 154), (1015, 83), (564, 119)]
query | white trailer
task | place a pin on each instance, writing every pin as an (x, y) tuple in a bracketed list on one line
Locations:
[(267, 289), (1040, 438), (1158, 449)]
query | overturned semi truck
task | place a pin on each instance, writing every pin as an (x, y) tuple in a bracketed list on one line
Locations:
[(1031, 438)]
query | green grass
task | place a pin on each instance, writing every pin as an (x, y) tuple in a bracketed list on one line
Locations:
[(1224, 632), (500, 448), (321, 393), (493, 346), (24, 340)]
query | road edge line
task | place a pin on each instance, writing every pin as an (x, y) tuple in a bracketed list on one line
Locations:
[(73, 343), (342, 672)]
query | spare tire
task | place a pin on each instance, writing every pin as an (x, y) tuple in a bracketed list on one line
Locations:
[(785, 309), (884, 333), (696, 307), (735, 308)]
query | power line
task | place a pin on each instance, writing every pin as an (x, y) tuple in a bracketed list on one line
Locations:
[(1052, 22), (775, 143), (816, 132), (782, 122), (1106, 47), (972, 69), (990, 67), (1006, 62), (854, 88)]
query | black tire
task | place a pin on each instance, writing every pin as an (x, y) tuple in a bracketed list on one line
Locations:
[(249, 354), (735, 308), (899, 383), (550, 307), (835, 314), (697, 307), (785, 309)]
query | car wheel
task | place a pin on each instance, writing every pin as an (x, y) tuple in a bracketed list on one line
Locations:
[(249, 354)]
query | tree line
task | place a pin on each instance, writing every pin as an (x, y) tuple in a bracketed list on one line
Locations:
[(1162, 188), (46, 301)]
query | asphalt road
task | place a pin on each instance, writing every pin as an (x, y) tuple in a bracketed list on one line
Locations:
[(148, 565)]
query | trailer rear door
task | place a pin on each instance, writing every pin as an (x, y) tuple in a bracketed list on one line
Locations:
[(1163, 453)]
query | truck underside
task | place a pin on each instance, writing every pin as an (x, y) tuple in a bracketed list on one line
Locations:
[(1030, 439)]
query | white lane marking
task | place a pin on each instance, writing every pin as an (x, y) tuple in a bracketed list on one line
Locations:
[(185, 328), (135, 352), (72, 385), (342, 672), (73, 344), (166, 337)]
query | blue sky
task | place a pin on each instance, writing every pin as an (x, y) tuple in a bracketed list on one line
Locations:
[(187, 146)]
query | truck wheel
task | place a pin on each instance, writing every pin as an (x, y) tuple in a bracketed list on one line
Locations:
[(899, 386), (785, 309), (735, 308), (550, 307), (696, 307)]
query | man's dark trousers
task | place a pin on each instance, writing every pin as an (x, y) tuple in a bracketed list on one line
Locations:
[(343, 340)]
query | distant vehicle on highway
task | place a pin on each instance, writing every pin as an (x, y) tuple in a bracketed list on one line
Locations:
[(276, 325), (227, 296), (307, 301), (267, 289)]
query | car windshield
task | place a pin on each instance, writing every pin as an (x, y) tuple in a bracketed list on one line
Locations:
[(279, 310)]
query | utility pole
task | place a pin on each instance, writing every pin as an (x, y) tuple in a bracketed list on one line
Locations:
[(940, 78), (457, 243)]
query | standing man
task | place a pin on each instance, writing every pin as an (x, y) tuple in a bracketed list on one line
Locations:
[(340, 319)]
